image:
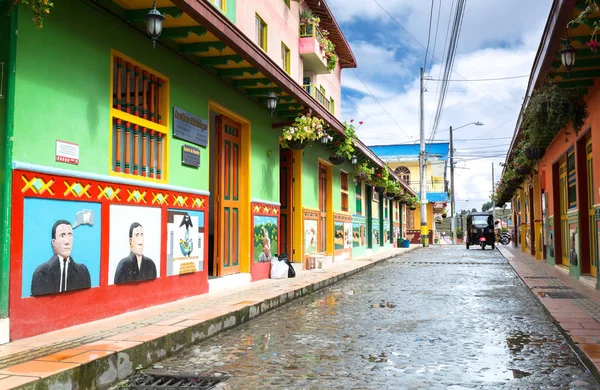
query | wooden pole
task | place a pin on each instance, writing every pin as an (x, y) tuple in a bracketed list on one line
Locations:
[(136, 149), (144, 152), (136, 98), (117, 151)]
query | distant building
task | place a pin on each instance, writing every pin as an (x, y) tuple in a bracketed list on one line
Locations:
[(404, 160)]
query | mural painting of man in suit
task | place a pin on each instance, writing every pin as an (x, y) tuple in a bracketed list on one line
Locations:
[(60, 273), (135, 267)]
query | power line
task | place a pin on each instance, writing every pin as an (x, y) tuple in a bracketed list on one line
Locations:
[(435, 58), (428, 34), (437, 25), (378, 102), (493, 79)]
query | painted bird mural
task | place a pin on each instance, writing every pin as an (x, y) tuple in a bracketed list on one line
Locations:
[(186, 245)]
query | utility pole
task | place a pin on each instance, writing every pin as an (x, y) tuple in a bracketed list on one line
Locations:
[(452, 222), (424, 230)]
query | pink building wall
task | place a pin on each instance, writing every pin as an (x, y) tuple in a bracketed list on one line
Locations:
[(283, 25)]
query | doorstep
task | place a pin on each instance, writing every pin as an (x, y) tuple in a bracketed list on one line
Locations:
[(101, 353)]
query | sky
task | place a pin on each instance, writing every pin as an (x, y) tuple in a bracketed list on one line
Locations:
[(498, 39)]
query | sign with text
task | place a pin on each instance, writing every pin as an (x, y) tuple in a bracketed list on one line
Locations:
[(67, 152), (190, 156), (189, 127)]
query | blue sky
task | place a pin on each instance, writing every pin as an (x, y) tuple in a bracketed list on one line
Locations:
[(499, 38)]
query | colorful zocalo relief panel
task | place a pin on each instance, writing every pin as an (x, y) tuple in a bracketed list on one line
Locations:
[(84, 249), (265, 238), (72, 260)]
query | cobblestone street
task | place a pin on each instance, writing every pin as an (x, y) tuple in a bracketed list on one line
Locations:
[(440, 317)]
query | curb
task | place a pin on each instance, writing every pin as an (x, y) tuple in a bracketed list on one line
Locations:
[(108, 370), (583, 357)]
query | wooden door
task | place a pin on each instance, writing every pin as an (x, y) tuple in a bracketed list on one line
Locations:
[(322, 227), (532, 231), (227, 196), (285, 198), (591, 219), (564, 223)]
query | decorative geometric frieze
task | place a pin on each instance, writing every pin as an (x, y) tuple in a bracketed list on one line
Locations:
[(198, 203), (109, 193), (77, 189), (159, 198), (180, 200), (136, 196), (37, 185)]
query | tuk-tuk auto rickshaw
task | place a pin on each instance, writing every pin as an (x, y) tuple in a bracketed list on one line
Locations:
[(480, 230)]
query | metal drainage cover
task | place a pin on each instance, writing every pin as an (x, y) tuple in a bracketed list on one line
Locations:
[(175, 382), (561, 295)]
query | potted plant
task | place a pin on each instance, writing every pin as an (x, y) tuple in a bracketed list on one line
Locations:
[(306, 128), (306, 15), (328, 51), (413, 202), (379, 180), (345, 149), (392, 189), (363, 172), (549, 110)]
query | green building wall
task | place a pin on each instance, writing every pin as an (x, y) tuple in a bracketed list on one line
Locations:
[(63, 92)]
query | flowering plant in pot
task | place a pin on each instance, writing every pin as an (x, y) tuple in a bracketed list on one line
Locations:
[(363, 172), (591, 7), (391, 189), (306, 128), (380, 179), (345, 148), (328, 50), (549, 110), (521, 164), (40, 9), (413, 202)]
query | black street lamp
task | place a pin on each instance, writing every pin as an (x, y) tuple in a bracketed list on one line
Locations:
[(154, 21), (271, 102), (567, 55)]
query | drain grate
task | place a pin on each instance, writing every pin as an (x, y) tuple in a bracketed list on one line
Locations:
[(561, 295), (175, 382)]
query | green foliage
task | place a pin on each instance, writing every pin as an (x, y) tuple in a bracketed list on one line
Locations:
[(346, 147), (40, 9), (306, 128), (380, 178), (363, 171), (486, 206), (550, 110), (329, 48)]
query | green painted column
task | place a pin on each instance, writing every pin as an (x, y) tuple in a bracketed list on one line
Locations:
[(9, 96)]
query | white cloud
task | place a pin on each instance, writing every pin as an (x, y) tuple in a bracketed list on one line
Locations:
[(498, 39)]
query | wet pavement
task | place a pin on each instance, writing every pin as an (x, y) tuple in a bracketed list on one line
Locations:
[(438, 317)]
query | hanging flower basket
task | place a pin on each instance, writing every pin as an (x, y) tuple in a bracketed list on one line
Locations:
[(413, 207), (336, 160), (523, 170), (379, 189), (534, 152), (296, 145), (362, 176), (397, 197), (444, 215), (389, 195)]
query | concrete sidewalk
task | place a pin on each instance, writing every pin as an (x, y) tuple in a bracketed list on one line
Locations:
[(573, 305), (101, 353)]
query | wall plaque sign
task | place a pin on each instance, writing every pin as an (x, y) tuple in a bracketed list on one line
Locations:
[(67, 152), (190, 156), (189, 127)]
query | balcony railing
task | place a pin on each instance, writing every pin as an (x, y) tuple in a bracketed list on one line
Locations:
[(310, 30), (317, 94)]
